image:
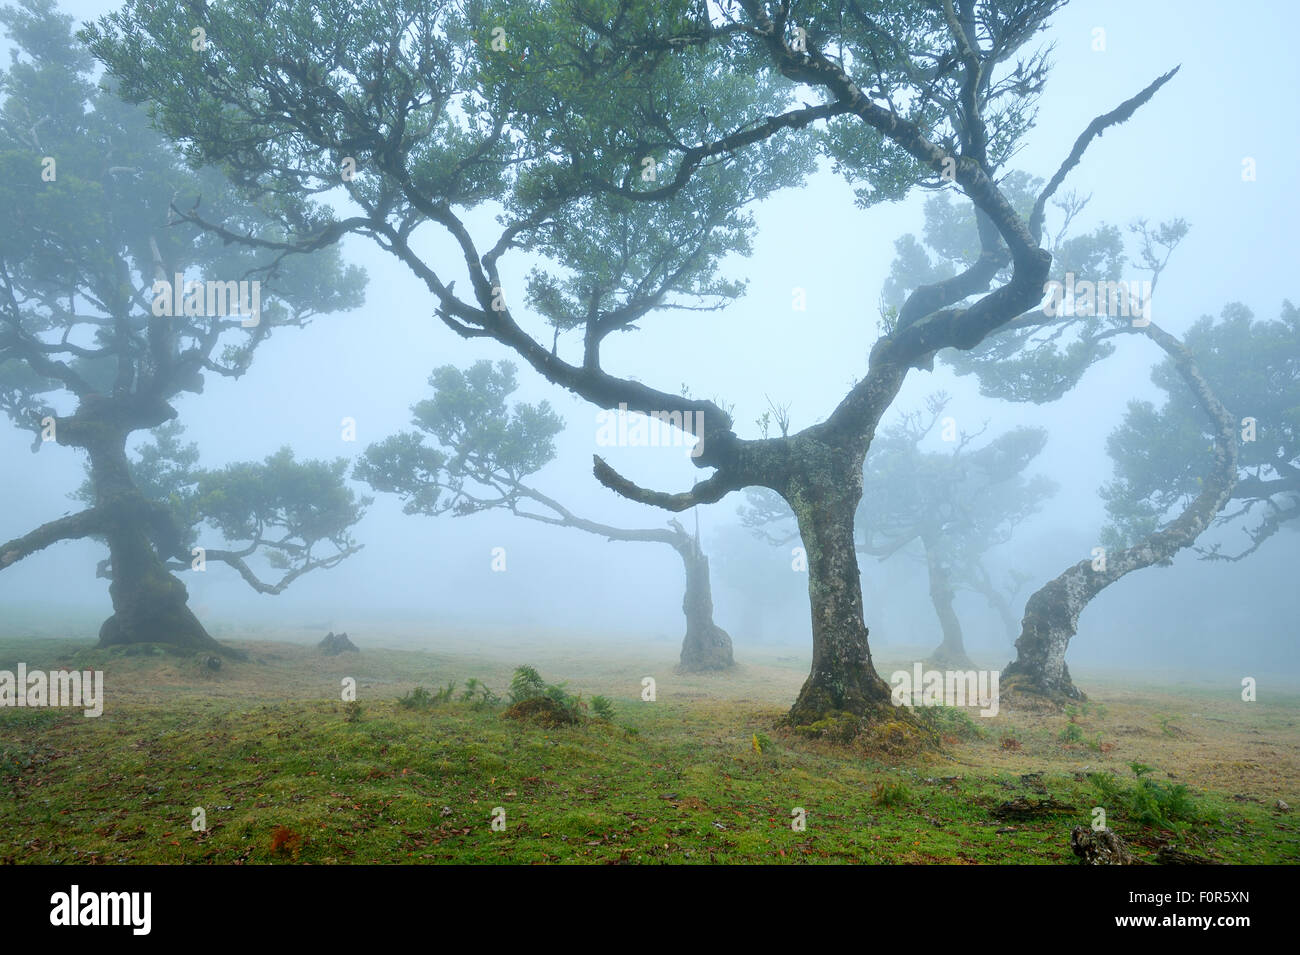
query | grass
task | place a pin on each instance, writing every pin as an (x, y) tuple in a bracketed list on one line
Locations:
[(285, 771)]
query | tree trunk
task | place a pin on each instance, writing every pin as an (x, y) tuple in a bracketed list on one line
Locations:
[(843, 678), (149, 602), (1051, 620), (1052, 613), (706, 646), (951, 653)]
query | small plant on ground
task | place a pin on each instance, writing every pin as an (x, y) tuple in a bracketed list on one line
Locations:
[(526, 684), (950, 723), (890, 794), (417, 699), (1150, 803), (352, 711), (284, 841), (1071, 733), (422, 699), (549, 704), (602, 708), (478, 695)]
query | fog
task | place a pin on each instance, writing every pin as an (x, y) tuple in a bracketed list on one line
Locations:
[(1180, 156)]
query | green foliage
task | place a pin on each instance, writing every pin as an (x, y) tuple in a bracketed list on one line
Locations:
[(1150, 802), (296, 515), (421, 699), (352, 711), (478, 695), (91, 234), (484, 447), (98, 233), (526, 684), (417, 699), (891, 793), (602, 707), (1071, 734), (950, 721), (1160, 453), (958, 504), (1037, 357), (582, 101)]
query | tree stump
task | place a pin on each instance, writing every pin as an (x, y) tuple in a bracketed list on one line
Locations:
[(334, 644), (1099, 848)]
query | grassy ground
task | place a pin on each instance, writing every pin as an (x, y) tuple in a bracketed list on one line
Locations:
[(702, 774)]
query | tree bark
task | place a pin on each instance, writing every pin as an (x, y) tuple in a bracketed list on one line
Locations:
[(150, 605), (824, 496), (1052, 613), (1051, 620), (951, 653), (706, 646)]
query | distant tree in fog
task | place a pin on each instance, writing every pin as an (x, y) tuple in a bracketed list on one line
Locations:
[(286, 516), (958, 505), (97, 342), (1042, 355), (1254, 368), (472, 452)]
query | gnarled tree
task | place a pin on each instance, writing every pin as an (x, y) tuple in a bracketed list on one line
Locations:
[(89, 311), (1254, 369), (956, 505), (620, 140), (483, 451), (1040, 356)]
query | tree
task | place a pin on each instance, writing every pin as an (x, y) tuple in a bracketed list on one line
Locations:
[(957, 505), (88, 310), (293, 516), (1254, 368), (621, 141), (482, 452), (1040, 356)]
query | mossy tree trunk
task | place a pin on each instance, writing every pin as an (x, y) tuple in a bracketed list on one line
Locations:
[(824, 495), (150, 605), (1050, 622)]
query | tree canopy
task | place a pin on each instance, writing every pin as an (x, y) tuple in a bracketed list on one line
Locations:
[(113, 307)]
